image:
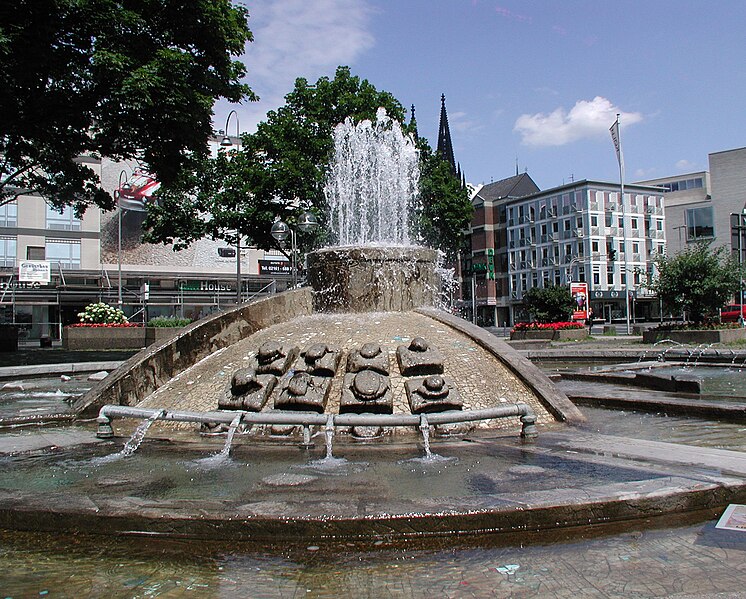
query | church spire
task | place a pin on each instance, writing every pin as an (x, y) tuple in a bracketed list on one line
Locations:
[(445, 146), (413, 124)]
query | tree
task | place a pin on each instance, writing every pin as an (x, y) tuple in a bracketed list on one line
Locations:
[(446, 208), (698, 281), (549, 304), (118, 79), (281, 170)]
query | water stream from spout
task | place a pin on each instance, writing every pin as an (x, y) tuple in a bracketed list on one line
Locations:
[(134, 442)]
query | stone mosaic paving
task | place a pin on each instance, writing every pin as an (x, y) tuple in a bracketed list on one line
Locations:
[(481, 379)]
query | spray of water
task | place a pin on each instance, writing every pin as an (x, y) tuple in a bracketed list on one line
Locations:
[(373, 182)]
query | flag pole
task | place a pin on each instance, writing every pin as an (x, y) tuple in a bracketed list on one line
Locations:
[(617, 139)]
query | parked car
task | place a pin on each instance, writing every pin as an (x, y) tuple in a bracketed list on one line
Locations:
[(731, 312)]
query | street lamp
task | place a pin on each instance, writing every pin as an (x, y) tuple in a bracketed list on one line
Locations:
[(121, 185), (226, 143), (281, 231)]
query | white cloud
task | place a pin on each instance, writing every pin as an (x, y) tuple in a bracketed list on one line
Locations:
[(297, 38), (461, 123), (587, 119), (684, 166)]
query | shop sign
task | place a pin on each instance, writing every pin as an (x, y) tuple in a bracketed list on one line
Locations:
[(34, 270), (204, 286), (274, 267), (22, 285)]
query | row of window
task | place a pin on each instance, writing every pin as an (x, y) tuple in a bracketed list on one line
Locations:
[(55, 220), (65, 252), (684, 184)]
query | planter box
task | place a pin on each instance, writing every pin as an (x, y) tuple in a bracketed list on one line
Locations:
[(158, 334), (103, 338), (561, 335), (695, 337)]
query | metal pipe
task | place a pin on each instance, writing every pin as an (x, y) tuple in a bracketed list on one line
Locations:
[(110, 412)]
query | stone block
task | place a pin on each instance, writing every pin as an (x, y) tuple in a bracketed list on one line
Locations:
[(433, 393), (419, 358), (368, 357), (366, 391), (304, 392), (249, 391), (319, 359)]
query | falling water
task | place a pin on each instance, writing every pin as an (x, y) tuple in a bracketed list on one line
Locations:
[(134, 442), (372, 186), (220, 457), (425, 428)]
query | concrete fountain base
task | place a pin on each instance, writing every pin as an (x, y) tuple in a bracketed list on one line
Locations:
[(373, 279)]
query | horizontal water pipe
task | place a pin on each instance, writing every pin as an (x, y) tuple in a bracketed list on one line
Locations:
[(306, 419)]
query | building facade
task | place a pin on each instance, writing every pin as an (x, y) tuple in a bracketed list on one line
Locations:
[(100, 257), (579, 232)]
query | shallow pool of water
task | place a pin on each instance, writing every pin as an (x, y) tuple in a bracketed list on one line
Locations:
[(159, 471), (46, 395)]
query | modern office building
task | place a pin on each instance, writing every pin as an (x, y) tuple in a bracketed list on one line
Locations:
[(523, 238), (709, 205)]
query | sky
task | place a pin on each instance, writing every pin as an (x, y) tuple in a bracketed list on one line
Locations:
[(533, 83)]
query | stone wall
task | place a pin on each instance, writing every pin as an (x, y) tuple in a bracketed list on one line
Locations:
[(373, 279), (145, 372)]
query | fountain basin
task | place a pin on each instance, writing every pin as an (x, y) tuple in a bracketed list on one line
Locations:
[(373, 278), (487, 484)]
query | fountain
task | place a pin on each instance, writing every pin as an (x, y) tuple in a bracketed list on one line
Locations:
[(372, 194), (326, 395)]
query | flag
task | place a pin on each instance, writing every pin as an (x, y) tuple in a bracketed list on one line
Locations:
[(614, 130)]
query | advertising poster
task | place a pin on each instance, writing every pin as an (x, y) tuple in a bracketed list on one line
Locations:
[(579, 292), (134, 187), (734, 518)]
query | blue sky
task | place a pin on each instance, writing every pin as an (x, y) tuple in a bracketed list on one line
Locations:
[(540, 82)]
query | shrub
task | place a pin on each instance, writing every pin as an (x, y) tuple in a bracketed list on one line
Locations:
[(549, 304), (101, 314), (168, 321)]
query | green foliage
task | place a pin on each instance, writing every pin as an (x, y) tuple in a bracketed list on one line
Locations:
[(280, 171), (549, 304), (698, 281), (101, 313), (118, 79), (446, 208), (168, 322)]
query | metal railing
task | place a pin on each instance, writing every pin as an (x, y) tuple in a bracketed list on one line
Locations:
[(308, 419)]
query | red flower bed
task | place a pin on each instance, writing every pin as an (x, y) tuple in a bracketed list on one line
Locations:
[(547, 326), (104, 325)]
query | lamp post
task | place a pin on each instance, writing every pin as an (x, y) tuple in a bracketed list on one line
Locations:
[(121, 185), (227, 143), (281, 231)]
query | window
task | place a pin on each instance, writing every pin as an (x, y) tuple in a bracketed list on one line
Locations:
[(608, 219), (64, 252), (594, 247), (594, 220), (699, 223), (8, 246), (62, 221), (9, 215), (35, 253)]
